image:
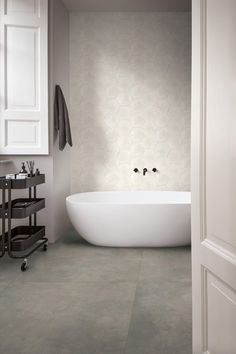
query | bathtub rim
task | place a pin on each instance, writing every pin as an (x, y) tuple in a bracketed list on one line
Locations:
[(186, 201)]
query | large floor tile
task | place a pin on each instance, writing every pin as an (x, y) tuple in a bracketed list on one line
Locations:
[(107, 267), (166, 263), (65, 318), (77, 298), (9, 269), (3, 286), (161, 320)]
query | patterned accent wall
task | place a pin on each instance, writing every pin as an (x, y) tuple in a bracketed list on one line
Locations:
[(130, 90)]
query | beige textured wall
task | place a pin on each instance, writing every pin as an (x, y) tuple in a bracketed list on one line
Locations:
[(130, 100)]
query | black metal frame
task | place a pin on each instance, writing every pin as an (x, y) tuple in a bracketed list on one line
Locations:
[(6, 185)]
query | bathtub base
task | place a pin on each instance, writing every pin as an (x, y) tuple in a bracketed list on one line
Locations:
[(160, 220)]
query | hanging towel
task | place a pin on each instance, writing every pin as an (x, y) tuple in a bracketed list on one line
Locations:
[(61, 119)]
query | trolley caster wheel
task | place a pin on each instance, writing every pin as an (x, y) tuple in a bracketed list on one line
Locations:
[(24, 265), (45, 248)]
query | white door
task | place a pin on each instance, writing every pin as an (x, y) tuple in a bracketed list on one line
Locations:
[(214, 176), (24, 77)]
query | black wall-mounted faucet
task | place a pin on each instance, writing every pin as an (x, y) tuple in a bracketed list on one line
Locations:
[(145, 170)]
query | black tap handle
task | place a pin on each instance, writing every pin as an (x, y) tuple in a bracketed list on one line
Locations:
[(136, 170), (155, 170)]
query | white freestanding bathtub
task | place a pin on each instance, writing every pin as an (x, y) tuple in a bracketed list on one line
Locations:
[(132, 219)]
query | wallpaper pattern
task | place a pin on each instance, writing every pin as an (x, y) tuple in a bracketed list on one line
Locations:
[(130, 90)]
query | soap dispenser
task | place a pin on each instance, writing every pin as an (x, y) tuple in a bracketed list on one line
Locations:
[(23, 172)]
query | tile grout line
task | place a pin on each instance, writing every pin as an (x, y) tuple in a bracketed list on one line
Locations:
[(135, 295)]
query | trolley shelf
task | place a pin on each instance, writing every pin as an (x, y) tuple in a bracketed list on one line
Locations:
[(23, 237), (23, 207), (22, 241), (22, 183)]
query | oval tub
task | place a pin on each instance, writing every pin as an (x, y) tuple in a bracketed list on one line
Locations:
[(132, 219)]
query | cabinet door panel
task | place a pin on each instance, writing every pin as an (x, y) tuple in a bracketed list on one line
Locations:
[(24, 77)]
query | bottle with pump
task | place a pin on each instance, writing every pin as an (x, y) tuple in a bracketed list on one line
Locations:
[(23, 172)]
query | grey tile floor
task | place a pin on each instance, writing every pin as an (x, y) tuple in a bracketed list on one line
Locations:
[(80, 299)]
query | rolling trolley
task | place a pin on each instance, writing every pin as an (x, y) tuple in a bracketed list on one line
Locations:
[(22, 241)]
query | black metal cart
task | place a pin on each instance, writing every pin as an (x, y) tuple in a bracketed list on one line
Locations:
[(21, 241)]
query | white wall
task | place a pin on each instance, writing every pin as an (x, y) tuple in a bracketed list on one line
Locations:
[(60, 75), (130, 100)]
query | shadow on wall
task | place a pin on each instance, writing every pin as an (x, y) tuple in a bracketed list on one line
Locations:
[(130, 100)]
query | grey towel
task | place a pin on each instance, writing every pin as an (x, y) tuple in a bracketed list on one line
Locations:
[(61, 119)]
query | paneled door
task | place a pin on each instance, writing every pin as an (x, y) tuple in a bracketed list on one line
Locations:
[(214, 176), (24, 77)]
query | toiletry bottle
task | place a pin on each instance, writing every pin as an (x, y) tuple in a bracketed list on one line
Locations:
[(23, 172)]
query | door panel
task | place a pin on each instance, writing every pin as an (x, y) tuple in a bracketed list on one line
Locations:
[(221, 123), (22, 6), (24, 77), (220, 316), (26, 132), (214, 176)]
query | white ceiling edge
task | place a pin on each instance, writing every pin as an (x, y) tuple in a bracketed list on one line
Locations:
[(129, 5)]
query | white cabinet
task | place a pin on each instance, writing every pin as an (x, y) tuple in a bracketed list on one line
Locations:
[(24, 77)]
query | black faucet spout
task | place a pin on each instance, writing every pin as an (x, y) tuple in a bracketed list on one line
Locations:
[(145, 170)]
